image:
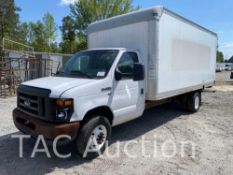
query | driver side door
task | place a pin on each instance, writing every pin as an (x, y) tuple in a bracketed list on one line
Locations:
[(128, 96)]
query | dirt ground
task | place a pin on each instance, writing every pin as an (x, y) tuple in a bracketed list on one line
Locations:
[(224, 77), (211, 130)]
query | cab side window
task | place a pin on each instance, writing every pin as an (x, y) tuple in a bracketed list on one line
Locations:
[(126, 63)]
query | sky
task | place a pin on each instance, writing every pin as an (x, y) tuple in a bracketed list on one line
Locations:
[(215, 15)]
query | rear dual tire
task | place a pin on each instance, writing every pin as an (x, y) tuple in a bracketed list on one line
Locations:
[(194, 102)]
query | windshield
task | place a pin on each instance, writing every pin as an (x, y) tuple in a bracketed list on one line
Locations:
[(89, 64)]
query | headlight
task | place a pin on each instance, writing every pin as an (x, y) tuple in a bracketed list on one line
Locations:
[(64, 108)]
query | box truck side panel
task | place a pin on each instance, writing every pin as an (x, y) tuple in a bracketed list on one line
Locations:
[(179, 56), (186, 57), (133, 36)]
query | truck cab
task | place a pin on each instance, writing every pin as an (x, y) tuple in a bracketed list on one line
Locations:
[(104, 86)]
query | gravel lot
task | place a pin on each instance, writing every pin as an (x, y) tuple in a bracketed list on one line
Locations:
[(211, 130), (224, 77)]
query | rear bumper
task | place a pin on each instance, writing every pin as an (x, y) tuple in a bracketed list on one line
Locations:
[(34, 127)]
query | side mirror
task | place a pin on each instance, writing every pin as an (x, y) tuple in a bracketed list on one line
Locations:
[(138, 72)]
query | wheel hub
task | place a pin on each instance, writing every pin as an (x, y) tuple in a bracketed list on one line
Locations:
[(197, 102), (98, 137)]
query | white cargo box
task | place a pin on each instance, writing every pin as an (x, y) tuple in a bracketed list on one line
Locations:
[(179, 55)]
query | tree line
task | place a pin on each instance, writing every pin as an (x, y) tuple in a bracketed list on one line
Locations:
[(42, 35)]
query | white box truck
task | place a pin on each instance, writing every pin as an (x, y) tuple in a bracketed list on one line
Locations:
[(145, 57)]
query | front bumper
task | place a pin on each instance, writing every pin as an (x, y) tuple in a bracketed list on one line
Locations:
[(34, 127)]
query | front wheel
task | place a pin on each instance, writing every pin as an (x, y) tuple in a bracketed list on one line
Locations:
[(194, 101), (93, 136)]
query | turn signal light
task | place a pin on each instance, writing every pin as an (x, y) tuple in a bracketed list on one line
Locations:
[(64, 102)]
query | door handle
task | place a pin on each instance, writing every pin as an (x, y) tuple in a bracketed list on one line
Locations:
[(142, 91), (106, 89)]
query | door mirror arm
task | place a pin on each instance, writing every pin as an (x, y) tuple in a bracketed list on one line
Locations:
[(118, 75), (138, 73)]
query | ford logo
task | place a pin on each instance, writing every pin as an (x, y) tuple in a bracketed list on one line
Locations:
[(27, 103)]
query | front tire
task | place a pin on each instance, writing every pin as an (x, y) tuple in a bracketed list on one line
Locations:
[(93, 136), (194, 102)]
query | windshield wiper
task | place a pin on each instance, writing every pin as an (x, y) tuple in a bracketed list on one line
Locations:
[(81, 73)]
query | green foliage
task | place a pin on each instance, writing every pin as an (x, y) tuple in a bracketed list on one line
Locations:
[(38, 40), (220, 57), (24, 32), (50, 29), (68, 28), (68, 44), (40, 35), (9, 19), (54, 48), (84, 12)]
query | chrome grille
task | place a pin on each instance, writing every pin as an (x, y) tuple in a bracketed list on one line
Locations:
[(35, 101), (29, 103)]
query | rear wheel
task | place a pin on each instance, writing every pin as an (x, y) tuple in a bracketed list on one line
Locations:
[(194, 101), (93, 136)]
